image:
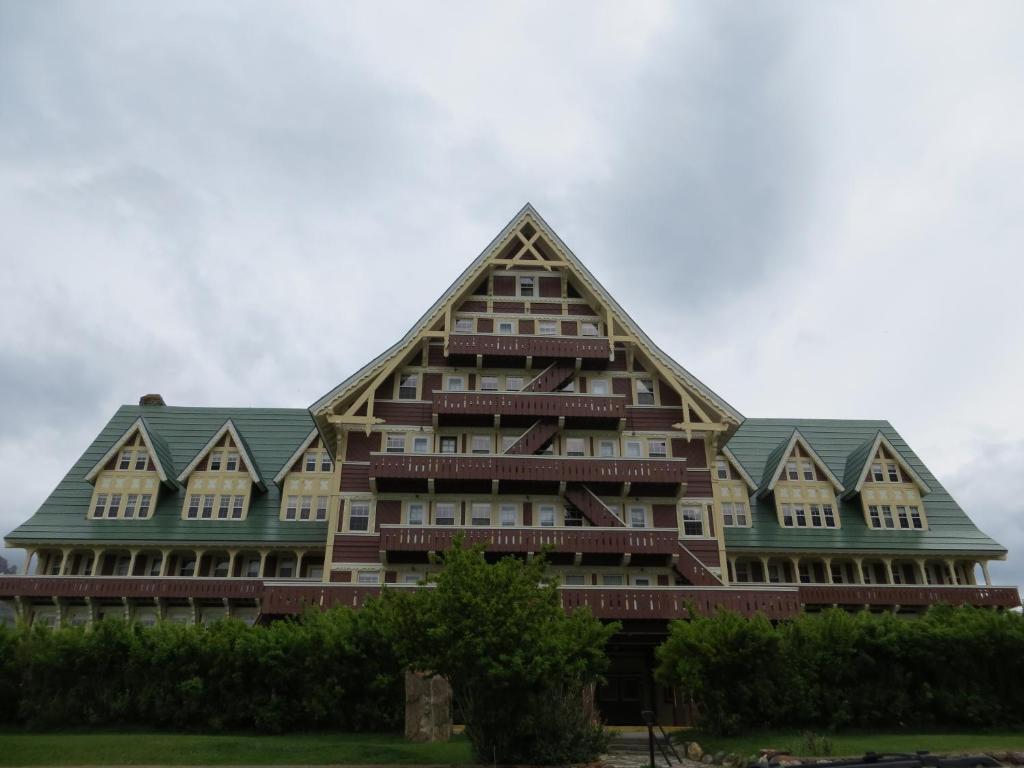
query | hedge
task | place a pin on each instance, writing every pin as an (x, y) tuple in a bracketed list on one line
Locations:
[(332, 669), (951, 667)]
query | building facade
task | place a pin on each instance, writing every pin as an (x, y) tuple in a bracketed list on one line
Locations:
[(527, 410)]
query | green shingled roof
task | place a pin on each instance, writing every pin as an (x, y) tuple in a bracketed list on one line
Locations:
[(162, 450), (271, 435), (757, 441)]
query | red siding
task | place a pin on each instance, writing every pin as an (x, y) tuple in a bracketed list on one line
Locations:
[(484, 325), (568, 328), (431, 383), (526, 327), (538, 308), (582, 310), (527, 513), (691, 450), (406, 413), (649, 418), (664, 516), (513, 307), (621, 386), (355, 477), (360, 444), (705, 550), (473, 306), (698, 484), (668, 395), (504, 285), (550, 286), (435, 356), (355, 548), (389, 512), (342, 576)]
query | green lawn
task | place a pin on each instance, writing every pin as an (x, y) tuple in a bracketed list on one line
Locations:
[(19, 748), (857, 743)]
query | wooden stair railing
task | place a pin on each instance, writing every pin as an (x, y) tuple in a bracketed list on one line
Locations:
[(692, 569), (592, 508), (551, 378), (534, 438)]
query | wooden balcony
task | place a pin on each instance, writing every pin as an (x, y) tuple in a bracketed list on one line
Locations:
[(558, 469), (495, 345), (116, 587), (534, 404), (621, 603), (590, 540), (908, 595)]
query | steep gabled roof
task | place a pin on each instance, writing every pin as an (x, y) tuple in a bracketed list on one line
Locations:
[(754, 444), (859, 463), (464, 283), (777, 461), (155, 444), (271, 437), (243, 448), (740, 469)]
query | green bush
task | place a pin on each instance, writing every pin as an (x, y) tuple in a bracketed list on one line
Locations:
[(950, 667), (332, 669)]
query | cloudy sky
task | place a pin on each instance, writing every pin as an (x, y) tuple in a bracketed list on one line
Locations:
[(816, 207)]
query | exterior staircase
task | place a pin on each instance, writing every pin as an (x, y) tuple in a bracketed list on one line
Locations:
[(534, 438), (693, 570), (584, 499), (551, 378)]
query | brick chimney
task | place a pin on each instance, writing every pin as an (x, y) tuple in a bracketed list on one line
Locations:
[(152, 400)]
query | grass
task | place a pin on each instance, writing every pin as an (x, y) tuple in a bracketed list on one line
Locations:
[(857, 743), (143, 748)]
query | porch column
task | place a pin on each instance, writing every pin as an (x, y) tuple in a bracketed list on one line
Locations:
[(984, 570), (263, 562), (972, 577), (200, 553), (165, 558), (951, 567), (731, 565), (858, 563), (298, 563), (888, 569), (764, 568), (922, 572), (131, 562), (97, 562), (232, 554), (64, 561), (29, 553), (796, 569), (828, 569)]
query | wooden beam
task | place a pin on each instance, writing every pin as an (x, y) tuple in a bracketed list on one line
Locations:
[(353, 420)]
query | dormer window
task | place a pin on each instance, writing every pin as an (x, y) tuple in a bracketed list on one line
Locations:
[(722, 469), (326, 465), (526, 286), (464, 325), (215, 459), (408, 384), (141, 460), (311, 462), (876, 473), (231, 465), (126, 460)]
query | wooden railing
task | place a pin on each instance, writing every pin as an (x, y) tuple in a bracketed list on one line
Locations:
[(567, 469), (591, 507), (674, 602), (908, 594), (522, 346), (533, 439), (551, 404), (397, 538), (552, 377), (129, 586)]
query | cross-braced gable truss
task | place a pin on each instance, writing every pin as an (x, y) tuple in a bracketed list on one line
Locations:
[(527, 242)]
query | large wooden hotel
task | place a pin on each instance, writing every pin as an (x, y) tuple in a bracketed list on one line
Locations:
[(528, 410)]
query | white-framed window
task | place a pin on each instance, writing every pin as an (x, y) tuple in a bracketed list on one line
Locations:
[(455, 383), (505, 327), (480, 514), (574, 580), (734, 514), (588, 329), (915, 518), (513, 383), (657, 447), (816, 516), (306, 508), (359, 516), (893, 472), (887, 519), (232, 461), (645, 391), (875, 516), (208, 500), (464, 325), (488, 383), (415, 513), (507, 515), (126, 460), (215, 461), (115, 505), (224, 506), (633, 449), (291, 510), (612, 579), (787, 515), (693, 521), (792, 472), (285, 568), (408, 386), (876, 473), (807, 467), (547, 327), (829, 514), (141, 460), (421, 444), (598, 386), (575, 446), (507, 441), (546, 516), (321, 507), (449, 444), (411, 578), (481, 444), (326, 465), (310, 462), (573, 517), (641, 581), (193, 506), (367, 577), (130, 503), (527, 286), (101, 505), (722, 469), (607, 449), (637, 517), (144, 502), (395, 442), (444, 513)]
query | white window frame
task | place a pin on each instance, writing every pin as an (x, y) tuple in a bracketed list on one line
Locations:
[(694, 515), (575, 446), (464, 325), (352, 505), (403, 378), (476, 510), (508, 515), (485, 441), (421, 444), (526, 279), (547, 511), (452, 379), (394, 442), (637, 516), (547, 324), (597, 383), (411, 516), (651, 391), (438, 506)]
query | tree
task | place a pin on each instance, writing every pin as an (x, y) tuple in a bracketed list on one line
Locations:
[(519, 667)]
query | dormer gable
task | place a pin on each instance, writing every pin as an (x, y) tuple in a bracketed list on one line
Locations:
[(804, 488), (795, 460), (306, 480), (226, 440), (139, 449), (878, 461)]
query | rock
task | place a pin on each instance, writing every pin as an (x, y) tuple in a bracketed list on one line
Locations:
[(428, 707), (784, 759), (718, 758), (1000, 757), (707, 760), (693, 751), (1015, 758)]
